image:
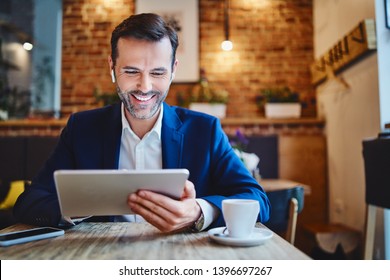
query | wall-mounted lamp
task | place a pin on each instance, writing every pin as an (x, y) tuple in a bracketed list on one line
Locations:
[(226, 45)]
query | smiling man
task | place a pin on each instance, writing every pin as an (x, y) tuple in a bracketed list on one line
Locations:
[(143, 132)]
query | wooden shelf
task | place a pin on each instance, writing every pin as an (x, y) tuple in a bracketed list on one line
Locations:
[(224, 121), (32, 127), (251, 126), (265, 121), (33, 122)]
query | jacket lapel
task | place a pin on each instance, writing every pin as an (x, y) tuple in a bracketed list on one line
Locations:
[(171, 139), (112, 138)]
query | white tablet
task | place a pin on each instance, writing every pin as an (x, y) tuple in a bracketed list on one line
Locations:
[(105, 192)]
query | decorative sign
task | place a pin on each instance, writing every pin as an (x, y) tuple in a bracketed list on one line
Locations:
[(358, 42)]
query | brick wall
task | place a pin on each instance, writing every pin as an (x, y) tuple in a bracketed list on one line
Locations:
[(273, 46)]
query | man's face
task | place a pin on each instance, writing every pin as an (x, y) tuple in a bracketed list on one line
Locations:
[(143, 75)]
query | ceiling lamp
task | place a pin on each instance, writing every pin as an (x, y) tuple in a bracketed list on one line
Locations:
[(226, 45)]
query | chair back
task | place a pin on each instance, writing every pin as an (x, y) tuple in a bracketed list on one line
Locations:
[(376, 153), (285, 206), (266, 148)]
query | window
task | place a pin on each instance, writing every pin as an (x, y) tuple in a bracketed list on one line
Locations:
[(30, 56)]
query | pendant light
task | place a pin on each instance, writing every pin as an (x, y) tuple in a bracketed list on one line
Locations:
[(226, 45)]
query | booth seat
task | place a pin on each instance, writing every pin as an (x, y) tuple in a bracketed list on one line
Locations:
[(20, 159)]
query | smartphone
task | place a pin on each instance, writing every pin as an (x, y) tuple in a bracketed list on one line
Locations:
[(23, 236)]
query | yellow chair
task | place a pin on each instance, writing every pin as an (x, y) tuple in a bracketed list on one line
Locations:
[(16, 188)]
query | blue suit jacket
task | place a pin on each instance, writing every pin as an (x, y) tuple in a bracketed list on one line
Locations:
[(91, 140)]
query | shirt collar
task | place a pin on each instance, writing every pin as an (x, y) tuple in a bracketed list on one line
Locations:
[(156, 128)]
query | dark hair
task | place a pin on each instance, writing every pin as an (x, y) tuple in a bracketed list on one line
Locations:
[(147, 26)]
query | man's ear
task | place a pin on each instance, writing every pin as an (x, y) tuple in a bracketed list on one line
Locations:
[(111, 65), (174, 68)]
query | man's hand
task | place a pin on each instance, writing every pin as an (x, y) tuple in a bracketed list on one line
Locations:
[(165, 213)]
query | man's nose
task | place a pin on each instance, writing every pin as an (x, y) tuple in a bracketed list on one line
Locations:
[(144, 83)]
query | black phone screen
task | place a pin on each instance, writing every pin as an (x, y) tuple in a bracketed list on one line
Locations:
[(27, 233)]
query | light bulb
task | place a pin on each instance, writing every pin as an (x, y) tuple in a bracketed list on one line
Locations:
[(28, 46), (227, 45)]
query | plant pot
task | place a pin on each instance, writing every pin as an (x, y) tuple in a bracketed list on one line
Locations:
[(3, 115), (282, 110), (215, 109)]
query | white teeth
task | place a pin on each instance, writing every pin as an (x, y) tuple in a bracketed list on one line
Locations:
[(143, 99)]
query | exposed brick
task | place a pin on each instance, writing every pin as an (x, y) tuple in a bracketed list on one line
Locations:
[(273, 46)]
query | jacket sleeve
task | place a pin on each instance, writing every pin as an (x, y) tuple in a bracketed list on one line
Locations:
[(90, 140), (218, 173)]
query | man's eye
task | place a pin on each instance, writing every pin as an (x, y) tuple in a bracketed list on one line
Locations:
[(128, 72), (157, 73)]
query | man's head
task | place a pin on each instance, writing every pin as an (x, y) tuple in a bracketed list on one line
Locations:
[(149, 27), (143, 63)]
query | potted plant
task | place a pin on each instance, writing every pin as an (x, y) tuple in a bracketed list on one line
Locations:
[(3, 103), (279, 103), (239, 143), (205, 98), (13, 103), (105, 98)]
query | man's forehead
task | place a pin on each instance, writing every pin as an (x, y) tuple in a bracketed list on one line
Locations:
[(131, 45), (163, 43)]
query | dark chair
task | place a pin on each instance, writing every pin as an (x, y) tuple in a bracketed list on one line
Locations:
[(376, 154), (285, 206), (266, 148)]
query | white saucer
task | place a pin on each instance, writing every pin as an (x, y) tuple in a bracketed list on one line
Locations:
[(258, 237)]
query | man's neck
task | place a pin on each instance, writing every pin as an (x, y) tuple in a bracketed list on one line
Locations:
[(141, 126)]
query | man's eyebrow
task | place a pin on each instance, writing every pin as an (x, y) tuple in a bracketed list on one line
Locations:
[(129, 68), (160, 69)]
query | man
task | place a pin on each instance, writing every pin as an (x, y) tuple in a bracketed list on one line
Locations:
[(143, 132)]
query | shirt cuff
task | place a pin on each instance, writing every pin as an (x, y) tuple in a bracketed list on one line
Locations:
[(210, 212)]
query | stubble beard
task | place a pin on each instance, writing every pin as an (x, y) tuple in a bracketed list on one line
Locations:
[(137, 111)]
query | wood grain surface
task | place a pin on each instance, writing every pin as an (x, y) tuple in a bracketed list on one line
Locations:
[(140, 241)]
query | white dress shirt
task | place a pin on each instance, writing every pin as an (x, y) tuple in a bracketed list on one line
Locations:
[(145, 153)]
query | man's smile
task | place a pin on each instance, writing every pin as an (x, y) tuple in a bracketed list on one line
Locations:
[(143, 98)]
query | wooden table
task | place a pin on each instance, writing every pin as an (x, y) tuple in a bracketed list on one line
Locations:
[(141, 241), (270, 185)]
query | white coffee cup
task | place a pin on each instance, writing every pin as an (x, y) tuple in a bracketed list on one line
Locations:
[(240, 216)]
